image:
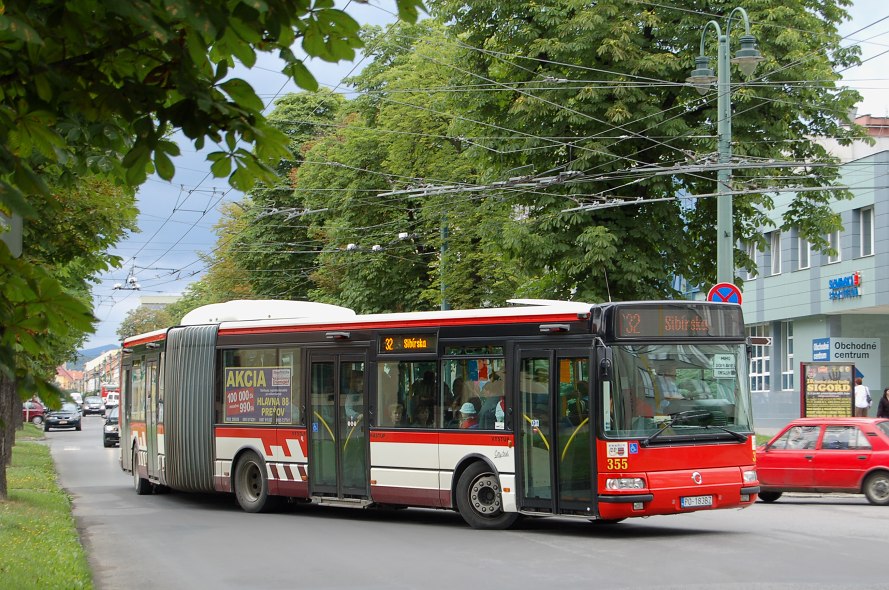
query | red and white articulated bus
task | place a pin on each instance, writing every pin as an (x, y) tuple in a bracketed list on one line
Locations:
[(601, 412)]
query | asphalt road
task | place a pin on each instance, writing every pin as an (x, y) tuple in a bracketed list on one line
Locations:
[(185, 541)]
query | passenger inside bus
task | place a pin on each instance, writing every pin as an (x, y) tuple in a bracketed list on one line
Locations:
[(353, 394), (492, 404), (423, 416), (396, 415), (468, 416)]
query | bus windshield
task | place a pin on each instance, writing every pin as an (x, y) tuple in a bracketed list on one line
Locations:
[(652, 384)]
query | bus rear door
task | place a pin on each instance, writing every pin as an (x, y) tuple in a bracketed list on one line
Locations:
[(337, 426), (555, 432)]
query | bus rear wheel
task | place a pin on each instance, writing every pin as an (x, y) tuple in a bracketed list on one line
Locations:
[(140, 484), (480, 499), (252, 485)]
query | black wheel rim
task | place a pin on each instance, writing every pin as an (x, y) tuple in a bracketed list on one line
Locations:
[(251, 482)]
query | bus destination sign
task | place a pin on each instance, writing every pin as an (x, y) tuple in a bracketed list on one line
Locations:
[(683, 321), (400, 343)]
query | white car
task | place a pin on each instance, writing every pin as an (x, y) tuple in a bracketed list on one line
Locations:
[(112, 400)]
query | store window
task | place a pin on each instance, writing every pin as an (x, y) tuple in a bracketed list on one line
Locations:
[(788, 374), (760, 365), (867, 231)]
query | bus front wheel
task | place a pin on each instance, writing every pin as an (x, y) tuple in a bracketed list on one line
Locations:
[(252, 485), (769, 497), (480, 499)]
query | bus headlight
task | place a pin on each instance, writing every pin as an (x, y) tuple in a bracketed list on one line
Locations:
[(750, 476), (624, 483)]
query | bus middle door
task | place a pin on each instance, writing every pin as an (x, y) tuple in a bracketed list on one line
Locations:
[(555, 432), (151, 377), (337, 425)]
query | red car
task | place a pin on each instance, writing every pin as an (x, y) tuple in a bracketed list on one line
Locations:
[(33, 412), (827, 455)]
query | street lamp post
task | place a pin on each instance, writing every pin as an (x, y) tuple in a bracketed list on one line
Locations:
[(702, 77)]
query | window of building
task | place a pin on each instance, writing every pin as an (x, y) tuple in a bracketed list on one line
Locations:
[(760, 368), (751, 252), (775, 251), (788, 374), (804, 251), (867, 231), (833, 240)]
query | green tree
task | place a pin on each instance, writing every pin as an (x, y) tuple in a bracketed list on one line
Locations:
[(595, 89), (400, 137), (97, 85), (144, 319), (224, 279), (274, 245)]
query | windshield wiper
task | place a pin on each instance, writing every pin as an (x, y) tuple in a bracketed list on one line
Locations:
[(678, 418), (688, 416), (738, 436)]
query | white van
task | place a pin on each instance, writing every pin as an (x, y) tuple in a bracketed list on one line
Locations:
[(112, 400)]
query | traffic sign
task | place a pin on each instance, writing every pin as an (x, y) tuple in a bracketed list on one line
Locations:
[(725, 293)]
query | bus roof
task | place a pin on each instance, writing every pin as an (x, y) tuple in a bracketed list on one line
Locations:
[(242, 310), (272, 315)]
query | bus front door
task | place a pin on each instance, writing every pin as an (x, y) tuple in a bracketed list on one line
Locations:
[(555, 432), (337, 428)]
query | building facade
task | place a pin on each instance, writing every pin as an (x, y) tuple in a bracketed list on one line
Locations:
[(102, 370), (821, 307)]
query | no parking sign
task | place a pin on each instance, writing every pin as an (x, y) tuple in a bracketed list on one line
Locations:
[(724, 293)]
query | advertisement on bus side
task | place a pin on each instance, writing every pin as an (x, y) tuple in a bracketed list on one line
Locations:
[(257, 395)]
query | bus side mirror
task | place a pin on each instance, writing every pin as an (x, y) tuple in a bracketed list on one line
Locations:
[(605, 370)]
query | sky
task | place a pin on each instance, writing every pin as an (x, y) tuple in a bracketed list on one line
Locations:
[(176, 218)]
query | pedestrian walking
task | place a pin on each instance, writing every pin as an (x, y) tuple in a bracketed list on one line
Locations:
[(862, 399), (883, 406)]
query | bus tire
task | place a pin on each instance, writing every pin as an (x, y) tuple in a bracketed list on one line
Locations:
[(769, 497), (140, 484), (606, 521), (876, 488), (251, 484), (480, 500)]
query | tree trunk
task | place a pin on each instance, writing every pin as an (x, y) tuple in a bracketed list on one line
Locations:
[(8, 422)]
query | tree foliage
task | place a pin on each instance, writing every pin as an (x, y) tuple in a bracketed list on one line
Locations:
[(508, 94), (94, 87), (595, 89), (144, 319)]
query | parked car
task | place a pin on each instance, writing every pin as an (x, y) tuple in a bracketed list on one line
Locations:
[(33, 411), (92, 404), (827, 455), (111, 432), (68, 416)]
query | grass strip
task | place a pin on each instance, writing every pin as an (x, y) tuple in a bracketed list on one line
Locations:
[(39, 544)]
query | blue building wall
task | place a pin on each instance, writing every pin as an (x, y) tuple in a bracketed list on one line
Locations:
[(803, 295)]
